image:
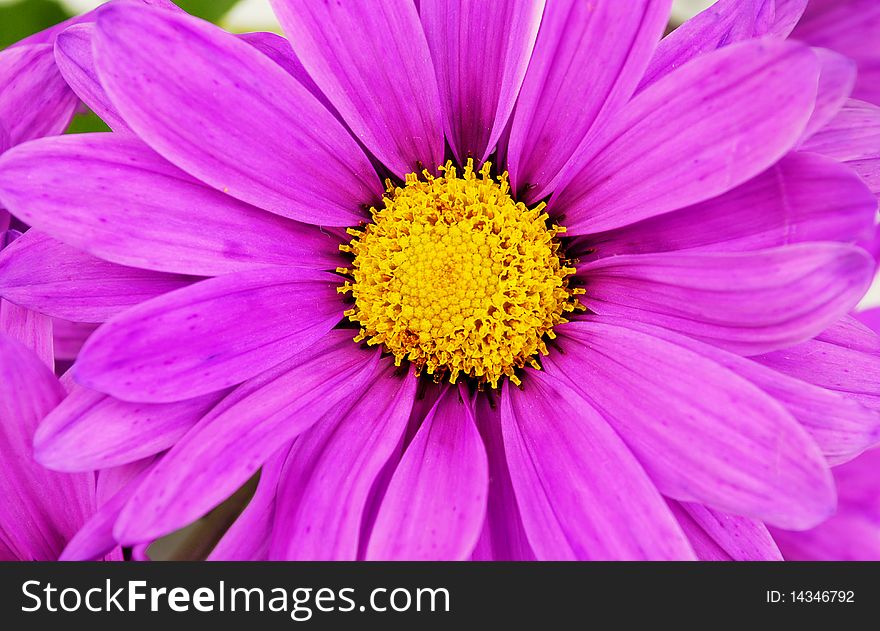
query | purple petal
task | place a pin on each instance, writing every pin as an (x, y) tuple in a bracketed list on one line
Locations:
[(803, 197), (701, 131), (35, 100), (581, 493), (69, 337), (503, 537), (333, 467), (372, 62), (32, 329), (837, 77), (703, 433), (852, 28), (587, 62), (95, 539), (209, 336), (853, 534), (481, 51), (224, 112), (73, 55), (844, 358), (239, 435), (278, 50), (45, 275), (41, 509), (746, 302), (725, 22), (788, 13), (720, 537), (853, 137), (90, 430), (248, 537), (435, 504), (853, 134), (115, 198), (843, 428)]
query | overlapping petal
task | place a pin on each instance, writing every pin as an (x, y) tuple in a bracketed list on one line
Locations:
[(256, 133)]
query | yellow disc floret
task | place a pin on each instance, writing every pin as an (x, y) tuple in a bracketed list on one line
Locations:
[(456, 277)]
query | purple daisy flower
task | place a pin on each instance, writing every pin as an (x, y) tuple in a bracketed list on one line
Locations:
[(449, 367)]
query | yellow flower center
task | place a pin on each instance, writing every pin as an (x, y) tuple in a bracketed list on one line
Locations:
[(458, 278)]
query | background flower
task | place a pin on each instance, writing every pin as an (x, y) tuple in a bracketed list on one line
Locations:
[(647, 187)]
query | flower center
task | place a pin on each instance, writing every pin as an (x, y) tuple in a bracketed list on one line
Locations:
[(458, 278)]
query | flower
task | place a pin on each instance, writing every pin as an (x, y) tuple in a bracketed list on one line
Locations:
[(389, 390)]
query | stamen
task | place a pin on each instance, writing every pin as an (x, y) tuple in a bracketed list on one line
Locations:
[(456, 277)]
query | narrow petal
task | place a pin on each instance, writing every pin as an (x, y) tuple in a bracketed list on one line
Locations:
[(249, 535), (95, 539), (45, 275), (587, 62), (725, 22), (701, 131), (115, 198), (743, 539), (803, 197), (227, 114), (209, 336), (372, 62), (842, 427), (725, 537), (90, 430), (705, 547), (746, 302), (844, 358), (581, 493), (435, 504), (837, 77), (853, 134), (503, 537), (481, 51), (41, 509), (240, 434), (32, 329), (333, 467), (76, 62), (703, 433), (35, 100)]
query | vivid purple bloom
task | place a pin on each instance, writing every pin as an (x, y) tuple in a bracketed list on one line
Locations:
[(704, 242)]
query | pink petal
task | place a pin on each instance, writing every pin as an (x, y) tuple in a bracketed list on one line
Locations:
[(481, 51), (701, 131), (581, 493), (209, 336), (373, 64), (244, 126), (332, 468), (435, 504)]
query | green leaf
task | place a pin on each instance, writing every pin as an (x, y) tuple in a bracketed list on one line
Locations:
[(27, 17), (211, 10)]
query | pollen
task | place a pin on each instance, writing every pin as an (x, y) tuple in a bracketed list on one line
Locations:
[(456, 277)]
